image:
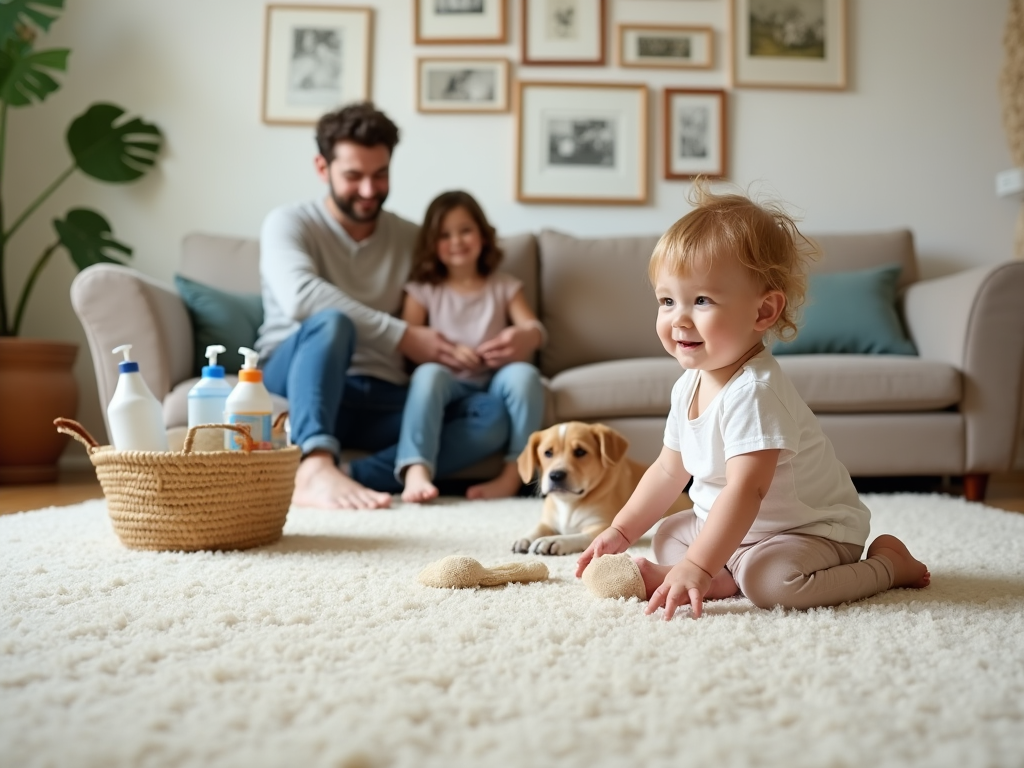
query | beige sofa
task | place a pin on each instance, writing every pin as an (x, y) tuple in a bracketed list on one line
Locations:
[(952, 410)]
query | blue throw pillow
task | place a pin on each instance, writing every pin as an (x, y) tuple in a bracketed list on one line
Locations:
[(220, 317), (851, 312)]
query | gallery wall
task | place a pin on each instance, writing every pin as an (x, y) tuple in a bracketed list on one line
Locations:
[(915, 139)]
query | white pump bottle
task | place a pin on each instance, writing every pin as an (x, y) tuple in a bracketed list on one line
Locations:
[(135, 416), (249, 403)]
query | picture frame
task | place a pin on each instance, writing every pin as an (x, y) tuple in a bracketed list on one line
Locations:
[(789, 44), (581, 143), (315, 58), (665, 46), (458, 85), (563, 32), (695, 133), (460, 22)]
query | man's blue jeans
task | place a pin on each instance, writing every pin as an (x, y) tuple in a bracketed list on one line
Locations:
[(434, 387), (330, 410)]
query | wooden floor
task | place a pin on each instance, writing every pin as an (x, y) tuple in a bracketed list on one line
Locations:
[(1004, 491)]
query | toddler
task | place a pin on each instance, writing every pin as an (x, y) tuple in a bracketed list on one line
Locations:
[(775, 514), (483, 313)]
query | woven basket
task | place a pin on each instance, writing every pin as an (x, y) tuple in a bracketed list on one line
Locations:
[(192, 500)]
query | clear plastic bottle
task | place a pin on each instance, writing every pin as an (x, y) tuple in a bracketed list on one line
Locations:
[(135, 416), (249, 403), (207, 401)]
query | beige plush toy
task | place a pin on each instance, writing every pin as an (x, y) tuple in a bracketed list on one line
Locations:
[(456, 571), (614, 576)]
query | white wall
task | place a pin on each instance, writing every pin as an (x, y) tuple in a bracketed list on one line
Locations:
[(915, 141)]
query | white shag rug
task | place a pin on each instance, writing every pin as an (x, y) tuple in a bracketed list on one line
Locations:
[(323, 650)]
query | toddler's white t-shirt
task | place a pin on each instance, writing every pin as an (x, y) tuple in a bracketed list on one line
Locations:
[(760, 409)]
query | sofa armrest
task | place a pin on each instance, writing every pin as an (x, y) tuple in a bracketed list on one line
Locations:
[(119, 305), (974, 320)]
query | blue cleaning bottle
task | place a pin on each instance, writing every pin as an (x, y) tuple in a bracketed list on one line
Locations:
[(207, 398)]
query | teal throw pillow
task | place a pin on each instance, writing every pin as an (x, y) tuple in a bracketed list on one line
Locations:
[(851, 312), (220, 317)]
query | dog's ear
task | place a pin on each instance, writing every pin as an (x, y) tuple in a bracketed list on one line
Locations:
[(527, 461), (613, 445)]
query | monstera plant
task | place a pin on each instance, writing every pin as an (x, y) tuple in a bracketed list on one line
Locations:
[(103, 143)]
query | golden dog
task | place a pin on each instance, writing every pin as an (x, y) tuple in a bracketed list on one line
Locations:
[(585, 479)]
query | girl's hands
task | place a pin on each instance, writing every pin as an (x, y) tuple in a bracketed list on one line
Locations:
[(466, 358), (685, 583), (511, 345), (609, 542)]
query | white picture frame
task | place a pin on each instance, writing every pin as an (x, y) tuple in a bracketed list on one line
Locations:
[(695, 133), (665, 46), (582, 143), (460, 85), (459, 22), (316, 58), (789, 44), (563, 32)]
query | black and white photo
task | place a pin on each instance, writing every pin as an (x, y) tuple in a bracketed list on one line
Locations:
[(463, 85), (458, 22), (695, 133), (680, 47), (582, 143), (315, 59), (563, 32)]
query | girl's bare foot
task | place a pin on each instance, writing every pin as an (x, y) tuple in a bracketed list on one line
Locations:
[(907, 572), (418, 487), (319, 483), (504, 485), (722, 586)]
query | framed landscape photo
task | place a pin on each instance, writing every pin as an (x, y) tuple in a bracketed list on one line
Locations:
[(455, 22), (582, 143), (316, 58), (695, 133), (462, 85), (563, 32), (789, 43), (666, 46)]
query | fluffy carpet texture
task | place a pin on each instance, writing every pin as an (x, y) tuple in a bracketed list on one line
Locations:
[(323, 650)]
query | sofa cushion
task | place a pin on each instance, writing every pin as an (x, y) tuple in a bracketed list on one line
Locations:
[(862, 250), (220, 317), (827, 383), (851, 313)]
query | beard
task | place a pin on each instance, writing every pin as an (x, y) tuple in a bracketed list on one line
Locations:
[(347, 205)]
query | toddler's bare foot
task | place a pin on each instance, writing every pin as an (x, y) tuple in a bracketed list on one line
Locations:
[(504, 485), (907, 572), (722, 586), (319, 483), (418, 487)]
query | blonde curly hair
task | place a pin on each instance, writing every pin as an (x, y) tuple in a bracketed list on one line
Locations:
[(762, 236)]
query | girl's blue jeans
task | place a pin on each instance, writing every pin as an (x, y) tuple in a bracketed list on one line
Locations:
[(434, 388), (330, 410)]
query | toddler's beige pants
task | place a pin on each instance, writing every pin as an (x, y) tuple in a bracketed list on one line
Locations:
[(788, 569)]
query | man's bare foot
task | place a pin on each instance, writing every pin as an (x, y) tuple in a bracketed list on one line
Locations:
[(722, 586), (504, 485), (319, 483), (418, 487), (907, 572)]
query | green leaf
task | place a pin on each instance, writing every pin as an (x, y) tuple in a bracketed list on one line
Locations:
[(110, 152), (30, 14), (22, 78), (87, 236)]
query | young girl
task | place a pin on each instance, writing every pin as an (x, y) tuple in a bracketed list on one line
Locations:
[(484, 314), (775, 514)]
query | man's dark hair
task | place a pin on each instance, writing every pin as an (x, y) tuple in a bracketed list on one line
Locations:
[(361, 123)]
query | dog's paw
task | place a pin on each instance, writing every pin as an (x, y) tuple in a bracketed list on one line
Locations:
[(521, 546), (548, 545)]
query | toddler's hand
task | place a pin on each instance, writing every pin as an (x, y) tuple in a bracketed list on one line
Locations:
[(685, 583), (609, 542), (467, 358)]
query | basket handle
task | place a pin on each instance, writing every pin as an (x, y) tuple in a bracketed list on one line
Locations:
[(77, 431), (279, 421), (242, 429)]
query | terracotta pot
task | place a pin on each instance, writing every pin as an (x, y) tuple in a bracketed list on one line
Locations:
[(37, 384)]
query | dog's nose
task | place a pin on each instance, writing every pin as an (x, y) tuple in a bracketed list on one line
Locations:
[(557, 475)]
